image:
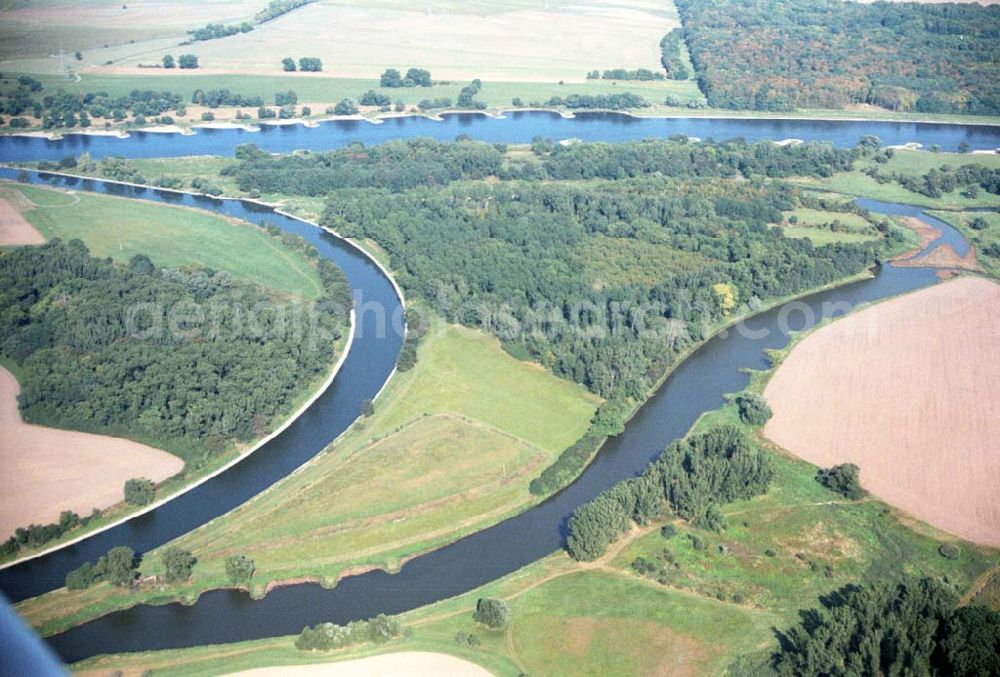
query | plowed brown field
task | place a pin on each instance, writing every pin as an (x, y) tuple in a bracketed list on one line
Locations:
[(909, 390)]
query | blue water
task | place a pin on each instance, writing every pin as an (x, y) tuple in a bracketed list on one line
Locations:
[(513, 127)]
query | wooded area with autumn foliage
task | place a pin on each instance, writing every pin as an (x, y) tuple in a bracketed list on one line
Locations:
[(778, 55)]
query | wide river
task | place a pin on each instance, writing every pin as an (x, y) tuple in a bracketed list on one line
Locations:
[(697, 385)]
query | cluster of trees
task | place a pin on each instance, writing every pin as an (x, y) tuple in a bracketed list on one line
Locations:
[(216, 31), (476, 252), (778, 55), (415, 330), (415, 77), (624, 74), (276, 8), (491, 612), (139, 491), (307, 64), (119, 566), (240, 569), (190, 360), (938, 181), (373, 98), (330, 636), (432, 104), (466, 97), (914, 626), (670, 55), (36, 535), (691, 478), (604, 101), (214, 98), (753, 408), (845, 479), (63, 109)]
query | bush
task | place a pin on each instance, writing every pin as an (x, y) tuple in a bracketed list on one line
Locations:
[(239, 569), (491, 612), (288, 64), (345, 107), (754, 409), (118, 567), (949, 551), (668, 531), (208, 116), (83, 577), (178, 564), (310, 64), (139, 491), (187, 61), (845, 479)]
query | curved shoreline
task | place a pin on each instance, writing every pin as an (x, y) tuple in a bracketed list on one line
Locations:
[(289, 421)]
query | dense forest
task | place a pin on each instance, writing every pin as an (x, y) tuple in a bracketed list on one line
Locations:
[(778, 55), (592, 279), (188, 360), (908, 628)]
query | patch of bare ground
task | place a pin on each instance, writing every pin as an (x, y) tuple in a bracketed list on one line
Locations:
[(924, 230), (944, 257), (907, 390), (14, 228), (413, 663), (46, 470)]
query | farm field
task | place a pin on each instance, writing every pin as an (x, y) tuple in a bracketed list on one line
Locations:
[(932, 453), (171, 236), (450, 449), (47, 471), (511, 40)]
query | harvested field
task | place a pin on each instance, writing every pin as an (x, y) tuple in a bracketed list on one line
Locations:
[(47, 470), (414, 663), (14, 229), (906, 390)]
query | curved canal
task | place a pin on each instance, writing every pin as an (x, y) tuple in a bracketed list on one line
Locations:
[(697, 385)]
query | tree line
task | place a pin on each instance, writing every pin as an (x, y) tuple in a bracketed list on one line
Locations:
[(670, 55), (779, 55)]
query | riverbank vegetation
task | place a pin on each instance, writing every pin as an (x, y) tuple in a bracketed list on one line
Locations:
[(779, 55), (449, 449)]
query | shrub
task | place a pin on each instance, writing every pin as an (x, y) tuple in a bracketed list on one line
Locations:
[(208, 116), (82, 577), (845, 479), (754, 409), (139, 491), (345, 107), (949, 551), (239, 569), (118, 567), (187, 61), (491, 612), (178, 564), (668, 531)]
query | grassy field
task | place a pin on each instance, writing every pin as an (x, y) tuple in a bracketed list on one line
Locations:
[(718, 604), (913, 163), (170, 236), (986, 241), (812, 224), (450, 449)]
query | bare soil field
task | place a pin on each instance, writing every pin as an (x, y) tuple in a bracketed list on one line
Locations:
[(907, 390), (46, 470), (14, 229), (411, 663)]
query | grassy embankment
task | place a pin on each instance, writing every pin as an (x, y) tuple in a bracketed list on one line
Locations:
[(782, 551), (450, 449), (172, 237)]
